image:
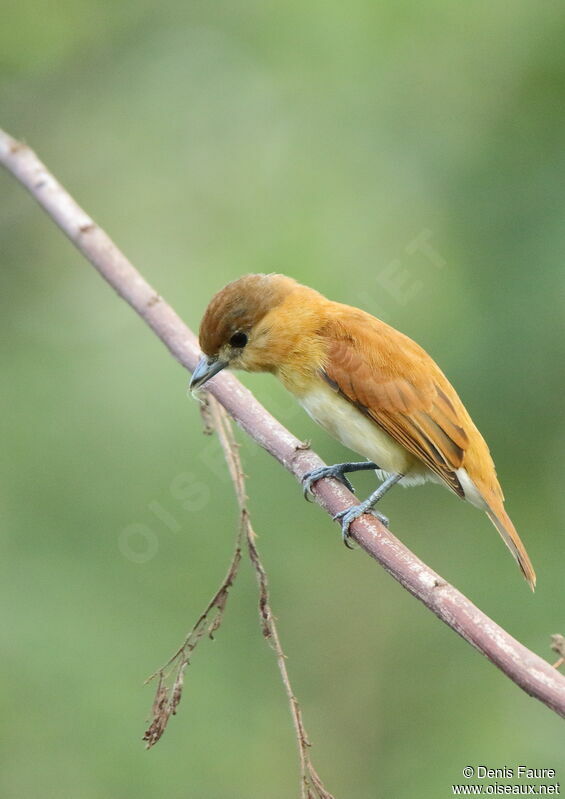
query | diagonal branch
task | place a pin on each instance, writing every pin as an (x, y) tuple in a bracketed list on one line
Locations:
[(533, 674)]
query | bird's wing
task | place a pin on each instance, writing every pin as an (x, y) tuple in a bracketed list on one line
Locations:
[(395, 383)]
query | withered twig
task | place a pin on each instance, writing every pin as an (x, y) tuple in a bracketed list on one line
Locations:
[(558, 645), (311, 785), (169, 692)]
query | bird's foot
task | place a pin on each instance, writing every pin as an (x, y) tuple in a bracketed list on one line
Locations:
[(347, 516), (337, 472)]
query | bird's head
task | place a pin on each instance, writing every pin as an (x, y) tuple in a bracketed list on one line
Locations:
[(250, 324)]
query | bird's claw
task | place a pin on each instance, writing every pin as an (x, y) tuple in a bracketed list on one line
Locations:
[(319, 474), (349, 515), (346, 517)]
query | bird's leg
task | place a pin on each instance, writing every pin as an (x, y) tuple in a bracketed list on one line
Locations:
[(337, 471), (350, 514)]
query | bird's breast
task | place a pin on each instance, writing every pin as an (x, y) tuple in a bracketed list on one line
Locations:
[(359, 433)]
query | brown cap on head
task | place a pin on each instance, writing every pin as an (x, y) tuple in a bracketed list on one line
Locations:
[(239, 306)]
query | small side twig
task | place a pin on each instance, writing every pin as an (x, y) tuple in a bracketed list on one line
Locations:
[(558, 645)]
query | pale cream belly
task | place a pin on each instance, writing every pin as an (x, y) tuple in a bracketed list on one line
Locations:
[(350, 426)]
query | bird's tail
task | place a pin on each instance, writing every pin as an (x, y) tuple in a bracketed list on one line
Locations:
[(503, 523)]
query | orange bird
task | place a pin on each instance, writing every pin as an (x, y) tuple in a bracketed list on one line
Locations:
[(371, 387)]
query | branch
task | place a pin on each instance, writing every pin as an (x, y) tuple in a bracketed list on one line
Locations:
[(533, 674)]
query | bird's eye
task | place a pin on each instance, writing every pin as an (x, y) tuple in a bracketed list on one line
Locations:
[(238, 340)]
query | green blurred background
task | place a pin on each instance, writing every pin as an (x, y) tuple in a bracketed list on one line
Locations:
[(404, 157)]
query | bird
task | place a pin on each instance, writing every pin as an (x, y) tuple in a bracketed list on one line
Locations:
[(367, 384)]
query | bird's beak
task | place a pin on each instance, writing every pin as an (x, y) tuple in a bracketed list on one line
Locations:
[(205, 369)]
